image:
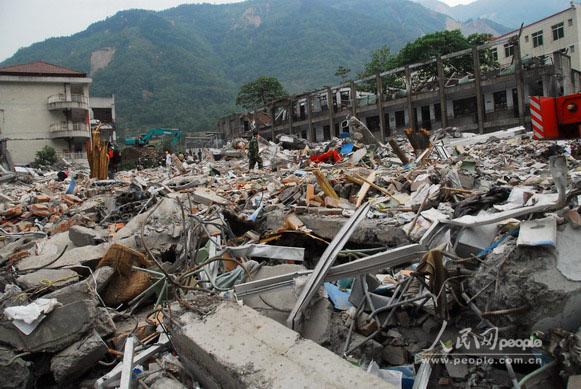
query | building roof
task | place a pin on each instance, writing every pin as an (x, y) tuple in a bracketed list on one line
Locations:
[(39, 69), (533, 23)]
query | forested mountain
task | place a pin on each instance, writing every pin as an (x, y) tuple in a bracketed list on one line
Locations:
[(507, 13), (182, 67)]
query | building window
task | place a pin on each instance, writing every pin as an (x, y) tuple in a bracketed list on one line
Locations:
[(508, 50), (538, 39), (500, 101), (464, 107), (570, 21), (558, 31), (572, 49), (494, 52), (437, 111), (526, 39)]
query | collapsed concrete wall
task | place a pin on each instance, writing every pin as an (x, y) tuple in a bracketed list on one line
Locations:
[(232, 346)]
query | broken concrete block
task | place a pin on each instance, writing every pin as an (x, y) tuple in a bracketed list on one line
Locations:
[(395, 356), (573, 218), (104, 324), (419, 181), (457, 370), (83, 236), (76, 359), (207, 197), (14, 371), (473, 240), (574, 382), (167, 383), (84, 290), (292, 222), (538, 232), (331, 202), (56, 278), (72, 257), (235, 346), (63, 326)]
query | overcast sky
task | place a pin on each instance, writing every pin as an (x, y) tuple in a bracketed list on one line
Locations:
[(24, 22)]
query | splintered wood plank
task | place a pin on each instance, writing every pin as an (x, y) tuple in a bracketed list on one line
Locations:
[(325, 184), (365, 188)]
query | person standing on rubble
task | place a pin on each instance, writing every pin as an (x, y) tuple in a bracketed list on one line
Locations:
[(253, 152), (168, 162)]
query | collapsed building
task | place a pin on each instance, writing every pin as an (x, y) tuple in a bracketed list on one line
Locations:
[(455, 268), (484, 100)]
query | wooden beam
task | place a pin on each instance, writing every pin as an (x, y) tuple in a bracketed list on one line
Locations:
[(365, 188), (325, 184), (398, 151), (373, 185)]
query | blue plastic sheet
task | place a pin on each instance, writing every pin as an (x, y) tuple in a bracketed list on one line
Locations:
[(339, 298), (347, 148)]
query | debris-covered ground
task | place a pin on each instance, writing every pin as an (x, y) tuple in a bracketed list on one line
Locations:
[(441, 260)]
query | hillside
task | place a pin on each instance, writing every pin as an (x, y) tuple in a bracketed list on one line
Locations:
[(182, 67), (507, 13)]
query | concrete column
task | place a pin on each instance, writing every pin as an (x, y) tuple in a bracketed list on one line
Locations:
[(479, 102), (272, 113), (509, 99), (379, 91), (291, 110), (442, 92), (550, 88), (408, 86), (562, 65), (331, 111), (353, 99), (519, 83), (488, 102), (450, 109), (311, 136)]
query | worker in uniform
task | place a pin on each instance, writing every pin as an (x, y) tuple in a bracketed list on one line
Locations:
[(253, 152)]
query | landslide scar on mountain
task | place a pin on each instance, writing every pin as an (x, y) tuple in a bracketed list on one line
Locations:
[(101, 58), (248, 18)]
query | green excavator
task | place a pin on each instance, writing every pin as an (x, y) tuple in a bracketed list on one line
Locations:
[(143, 140)]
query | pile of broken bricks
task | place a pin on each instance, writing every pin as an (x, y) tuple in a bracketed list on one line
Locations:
[(400, 266)]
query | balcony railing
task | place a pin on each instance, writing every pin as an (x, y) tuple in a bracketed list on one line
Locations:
[(69, 130), (60, 101), (75, 155)]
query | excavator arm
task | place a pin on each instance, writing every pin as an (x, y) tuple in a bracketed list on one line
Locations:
[(144, 139)]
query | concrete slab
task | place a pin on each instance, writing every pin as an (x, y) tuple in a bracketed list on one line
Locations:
[(76, 359), (60, 328), (57, 278), (235, 347)]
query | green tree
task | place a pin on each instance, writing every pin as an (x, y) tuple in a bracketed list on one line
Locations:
[(381, 61), (45, 157), (255, 94), (442, 43), (342, 72)]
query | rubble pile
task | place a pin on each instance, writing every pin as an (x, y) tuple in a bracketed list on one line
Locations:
[(436, 260)]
